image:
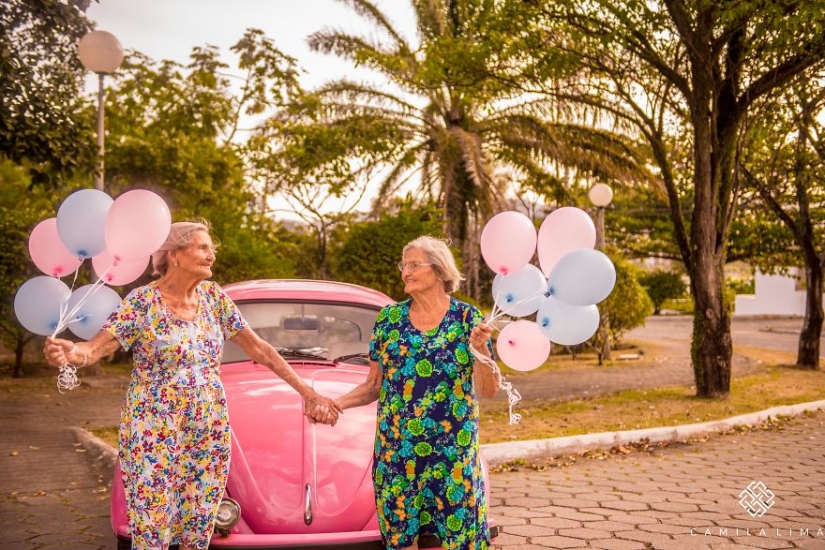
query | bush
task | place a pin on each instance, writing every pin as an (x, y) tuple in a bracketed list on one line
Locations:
[(661, 286), (628, 305)]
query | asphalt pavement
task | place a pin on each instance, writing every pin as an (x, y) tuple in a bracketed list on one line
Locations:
[(762, 488)]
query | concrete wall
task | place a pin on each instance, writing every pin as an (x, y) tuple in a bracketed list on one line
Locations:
[(774, 295)]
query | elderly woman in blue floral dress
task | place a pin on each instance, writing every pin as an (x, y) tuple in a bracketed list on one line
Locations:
[(174, 429), (426, 470)]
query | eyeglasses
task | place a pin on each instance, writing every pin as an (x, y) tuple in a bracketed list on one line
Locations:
[(413, 266)]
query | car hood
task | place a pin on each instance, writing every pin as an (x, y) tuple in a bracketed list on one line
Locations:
[(292, 476)]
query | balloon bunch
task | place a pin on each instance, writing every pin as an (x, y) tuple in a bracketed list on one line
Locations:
[(118, 236), (563, 294)]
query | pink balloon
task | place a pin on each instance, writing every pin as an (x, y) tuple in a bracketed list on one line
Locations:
[(563, 231), (522, 346), (48, 252), (508, 242), (137, 224), (118, 272)]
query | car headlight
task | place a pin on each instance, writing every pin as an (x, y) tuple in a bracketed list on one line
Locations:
[(229, 514)]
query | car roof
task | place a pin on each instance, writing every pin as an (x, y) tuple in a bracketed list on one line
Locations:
[(306, 289)]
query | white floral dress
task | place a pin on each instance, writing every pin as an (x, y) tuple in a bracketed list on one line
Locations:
[(174, 427)]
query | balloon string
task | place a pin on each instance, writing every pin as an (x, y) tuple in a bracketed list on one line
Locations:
[(67, 378), (498, 312), (66, 316), (513, 396)]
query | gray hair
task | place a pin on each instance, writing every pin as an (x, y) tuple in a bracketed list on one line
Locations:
[(180, 235), (439, 254)]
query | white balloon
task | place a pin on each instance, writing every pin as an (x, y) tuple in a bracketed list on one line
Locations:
[(582, 277), (565, 324), (520, 293), (96, 304)]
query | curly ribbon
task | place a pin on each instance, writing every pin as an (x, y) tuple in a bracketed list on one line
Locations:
[(67, 379), (513, 396)]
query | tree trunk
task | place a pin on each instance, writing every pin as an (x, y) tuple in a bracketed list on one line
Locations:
[(808, 356), (711, 346), (18, 356)]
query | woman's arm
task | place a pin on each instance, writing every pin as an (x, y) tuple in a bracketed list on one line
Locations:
[(59, 351), (317, 407), (366, 392), (486, 381)]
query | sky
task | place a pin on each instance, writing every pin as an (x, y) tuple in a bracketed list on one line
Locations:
[(169, 29)]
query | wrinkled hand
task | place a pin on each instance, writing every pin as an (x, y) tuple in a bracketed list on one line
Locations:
[(321, 409), (479, 336), (55, 351)]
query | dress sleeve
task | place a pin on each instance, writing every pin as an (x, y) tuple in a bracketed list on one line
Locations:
[(228, 314), (376, 338), (125, 322)]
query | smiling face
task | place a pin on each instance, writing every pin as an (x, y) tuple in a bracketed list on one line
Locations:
[(195, 259), (422, 280)]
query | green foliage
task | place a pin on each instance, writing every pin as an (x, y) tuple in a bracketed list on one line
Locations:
[(20, 211), (662, 285), (369, 251), (628, 305), (170, 130), (45, 123)]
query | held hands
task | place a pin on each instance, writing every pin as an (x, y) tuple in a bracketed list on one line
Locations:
[(480, 335), (321, 409)]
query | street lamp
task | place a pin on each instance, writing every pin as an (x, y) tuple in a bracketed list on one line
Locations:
[(600, 195), (101, 53)]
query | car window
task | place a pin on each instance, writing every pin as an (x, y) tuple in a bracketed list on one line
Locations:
[(308, 328)]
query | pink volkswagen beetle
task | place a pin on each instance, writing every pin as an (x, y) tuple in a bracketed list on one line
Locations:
[(293, 484)]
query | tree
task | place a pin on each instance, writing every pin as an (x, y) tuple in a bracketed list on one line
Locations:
[(686, 74), (457, 115), (172, 130), (785, 164), (45, 122), (368, 251), (662, 285), (20, 211)]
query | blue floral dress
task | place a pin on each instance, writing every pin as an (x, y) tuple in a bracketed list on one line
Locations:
[(174, 427), (426, 469)]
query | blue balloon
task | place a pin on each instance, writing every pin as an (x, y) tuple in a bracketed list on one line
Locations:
[(81, 222), (96, 304), (582, 277), (520, 293), (38, 302), (567, 325)]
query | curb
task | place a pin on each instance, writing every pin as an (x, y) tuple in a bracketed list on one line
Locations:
[(501, 452), (104, 456)]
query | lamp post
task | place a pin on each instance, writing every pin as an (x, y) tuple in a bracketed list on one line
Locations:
[(101, 53), (600, 196)]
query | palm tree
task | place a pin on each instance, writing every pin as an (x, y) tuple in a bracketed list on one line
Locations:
[(456, 105)]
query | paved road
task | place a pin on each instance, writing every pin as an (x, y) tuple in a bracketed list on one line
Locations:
[(52, 496)]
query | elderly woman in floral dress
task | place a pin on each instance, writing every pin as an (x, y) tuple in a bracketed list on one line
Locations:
[(174, 429), (426, 469)]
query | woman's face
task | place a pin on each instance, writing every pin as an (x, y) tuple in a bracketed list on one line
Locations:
[(418, 275), (196, 258)]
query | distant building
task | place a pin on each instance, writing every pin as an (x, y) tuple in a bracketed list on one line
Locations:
[(774, 295)]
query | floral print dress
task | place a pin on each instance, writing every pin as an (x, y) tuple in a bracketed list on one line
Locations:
[(174, 428), (426, 469)]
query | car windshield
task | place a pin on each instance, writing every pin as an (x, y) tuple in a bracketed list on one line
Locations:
[(307, 329)]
